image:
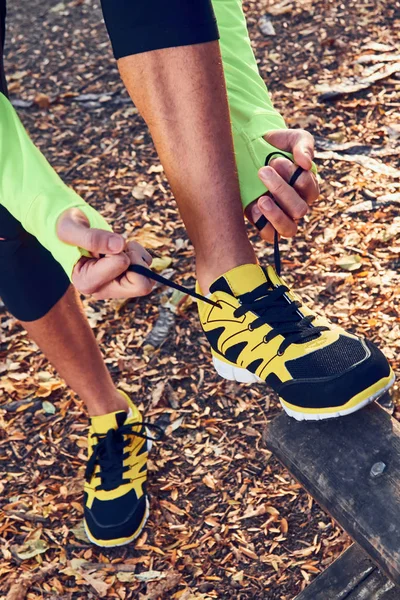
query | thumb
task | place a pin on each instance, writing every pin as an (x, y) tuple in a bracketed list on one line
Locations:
[(297, 141), (73, 228)]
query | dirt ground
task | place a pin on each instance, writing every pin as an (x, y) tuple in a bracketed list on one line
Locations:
[(227, 521)]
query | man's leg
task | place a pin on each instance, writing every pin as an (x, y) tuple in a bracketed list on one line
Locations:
[(181, 94), (171, 65), (66, 339), (37, 292)]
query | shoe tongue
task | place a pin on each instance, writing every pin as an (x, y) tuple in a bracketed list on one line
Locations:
[(240, 280), (103, 423)]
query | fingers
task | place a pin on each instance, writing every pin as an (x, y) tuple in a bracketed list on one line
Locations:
[(284, 195), (277, 219), (306, 185), (297, 141), (91, 274), (129, 285), (73, 228), (138, 254), (108, 277), (289, 203)]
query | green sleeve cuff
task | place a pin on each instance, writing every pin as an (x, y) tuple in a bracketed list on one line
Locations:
[(42, 217), (250, 157)]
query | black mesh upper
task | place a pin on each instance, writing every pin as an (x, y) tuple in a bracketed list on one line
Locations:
[(329, 361)]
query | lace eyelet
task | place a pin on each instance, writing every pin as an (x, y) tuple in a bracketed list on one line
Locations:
[(265, 339), (250, 327), (280, 352)]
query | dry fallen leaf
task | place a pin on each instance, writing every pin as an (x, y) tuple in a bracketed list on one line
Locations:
[(161, 263), (30, 549), (42, 100), (350, 263)]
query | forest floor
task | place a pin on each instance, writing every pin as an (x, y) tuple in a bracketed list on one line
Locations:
[(227, 521)]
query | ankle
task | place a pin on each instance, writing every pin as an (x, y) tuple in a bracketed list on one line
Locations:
[(208, 272), (108, 403)]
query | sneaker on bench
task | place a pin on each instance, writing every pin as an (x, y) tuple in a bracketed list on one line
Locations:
[(262, 331)]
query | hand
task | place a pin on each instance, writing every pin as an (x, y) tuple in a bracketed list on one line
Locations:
[(290, 203), (104, 277)]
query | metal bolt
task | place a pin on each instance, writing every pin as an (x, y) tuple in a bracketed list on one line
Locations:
[(377, 469)]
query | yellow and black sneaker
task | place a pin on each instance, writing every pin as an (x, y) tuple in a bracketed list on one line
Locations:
[(116, 506), (261, 331)]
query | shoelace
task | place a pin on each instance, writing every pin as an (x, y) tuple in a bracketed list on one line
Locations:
[(272, 306), (109, 453)]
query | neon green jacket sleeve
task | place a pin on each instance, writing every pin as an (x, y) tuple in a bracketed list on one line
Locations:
[(252, 112), (33, 192)]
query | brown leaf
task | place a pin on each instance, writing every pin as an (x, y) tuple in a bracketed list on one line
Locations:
[(42, 100)]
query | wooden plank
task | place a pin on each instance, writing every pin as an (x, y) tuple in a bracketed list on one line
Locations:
[(351, 466), (353, 576)]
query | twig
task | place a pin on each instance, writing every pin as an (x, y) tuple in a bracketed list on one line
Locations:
[(26, 516), (120, 567)]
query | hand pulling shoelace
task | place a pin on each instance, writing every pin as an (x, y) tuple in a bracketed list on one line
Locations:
[(260, 224), (108, 453), (265, 302)]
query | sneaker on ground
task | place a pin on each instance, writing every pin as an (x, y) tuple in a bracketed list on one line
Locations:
[(116, 505)]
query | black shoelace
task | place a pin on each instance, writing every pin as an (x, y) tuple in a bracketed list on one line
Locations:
[(271, 304), (109, 453), (277, 310)]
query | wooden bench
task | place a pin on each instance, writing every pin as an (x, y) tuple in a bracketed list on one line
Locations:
[(353, 576), (351, 467)]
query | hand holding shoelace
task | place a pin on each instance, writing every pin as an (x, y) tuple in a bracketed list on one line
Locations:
[(290, 202), (104, 274)]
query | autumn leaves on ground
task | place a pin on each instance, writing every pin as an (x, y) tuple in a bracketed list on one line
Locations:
[(227, 521)]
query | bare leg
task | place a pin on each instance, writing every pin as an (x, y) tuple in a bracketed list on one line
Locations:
[(65, 337), (181, 94)]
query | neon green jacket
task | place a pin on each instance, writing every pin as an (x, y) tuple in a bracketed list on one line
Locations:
[(35, 195), (33, 192)]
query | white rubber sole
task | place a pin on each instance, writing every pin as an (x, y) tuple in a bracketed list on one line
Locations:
[(234, 373), (142, 525)]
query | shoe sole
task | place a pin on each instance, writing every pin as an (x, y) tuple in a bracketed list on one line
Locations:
[(122, 541), (235, 373)]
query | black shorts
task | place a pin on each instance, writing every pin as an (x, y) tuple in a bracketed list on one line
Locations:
[(135, 26)]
